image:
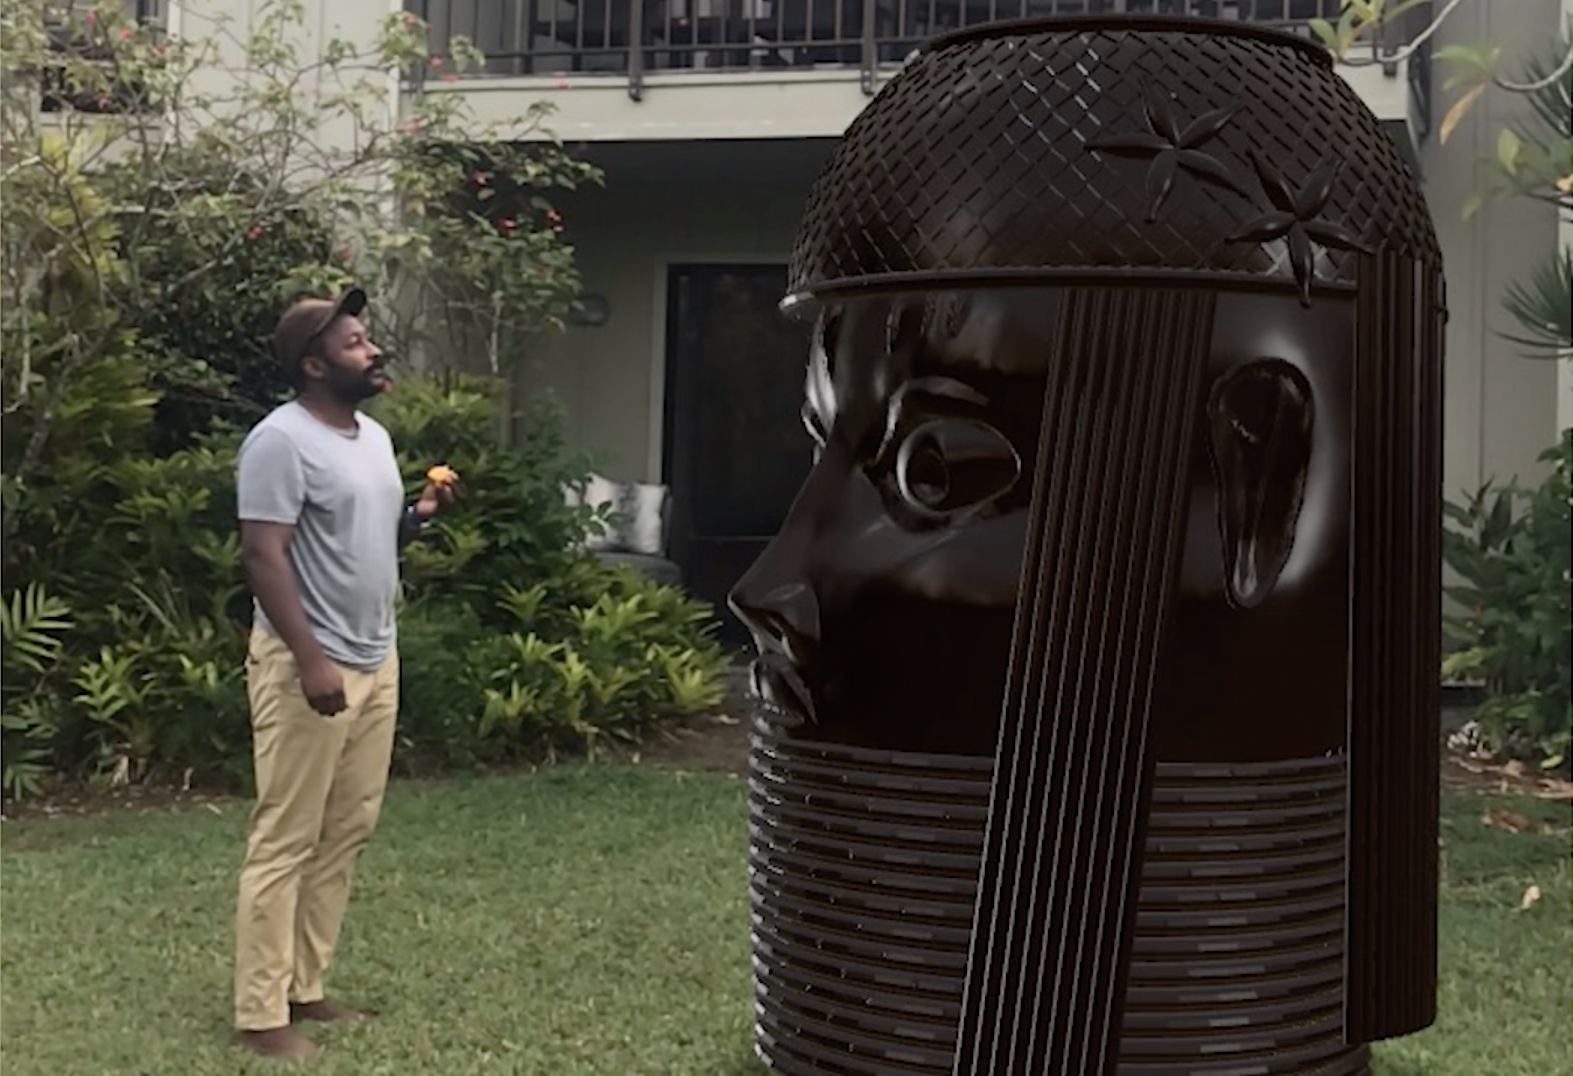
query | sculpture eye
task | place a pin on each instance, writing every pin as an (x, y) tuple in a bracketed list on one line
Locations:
[(946, 466)]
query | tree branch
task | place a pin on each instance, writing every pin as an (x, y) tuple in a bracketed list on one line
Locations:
[(1401, 54), (1543, 83)]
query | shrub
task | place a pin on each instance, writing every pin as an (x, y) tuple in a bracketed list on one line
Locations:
[(161, 262), (476, 695), (514, 642), (32, 624), (147, 552), (515, 527), (141, 277), (1512, 548)]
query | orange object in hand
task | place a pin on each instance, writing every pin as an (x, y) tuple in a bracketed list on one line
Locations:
[(442, 475)]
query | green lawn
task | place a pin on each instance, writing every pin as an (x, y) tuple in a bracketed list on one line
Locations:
[(583, 920)]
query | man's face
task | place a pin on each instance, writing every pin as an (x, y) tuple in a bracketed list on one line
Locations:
[(346, 362)]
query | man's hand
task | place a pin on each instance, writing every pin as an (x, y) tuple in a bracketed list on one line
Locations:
[(442, 490), (323, 685)]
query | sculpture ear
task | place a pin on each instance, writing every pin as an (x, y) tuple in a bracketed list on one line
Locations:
[(1260, 418)]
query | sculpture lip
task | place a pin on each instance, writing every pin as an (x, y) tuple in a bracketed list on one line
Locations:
[(778, 692), (1136, 23)]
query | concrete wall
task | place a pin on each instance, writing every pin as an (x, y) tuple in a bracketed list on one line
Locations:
[(699, 203), (705, 203), (1501, 408), (224, 26), (677, 195)]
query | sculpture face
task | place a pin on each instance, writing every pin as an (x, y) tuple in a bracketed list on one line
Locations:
[(883, 610), (885, 604)]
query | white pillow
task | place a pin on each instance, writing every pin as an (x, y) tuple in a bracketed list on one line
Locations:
[(640, 505), (637, 510)]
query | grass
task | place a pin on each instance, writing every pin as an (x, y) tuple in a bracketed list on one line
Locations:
[(585, 920), (1506, 976)]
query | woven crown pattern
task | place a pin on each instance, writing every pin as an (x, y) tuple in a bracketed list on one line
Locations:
[(1078, 144)]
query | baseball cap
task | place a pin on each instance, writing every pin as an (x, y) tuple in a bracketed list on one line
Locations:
[(306, 319)]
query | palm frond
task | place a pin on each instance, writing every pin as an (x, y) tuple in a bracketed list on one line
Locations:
[(1543, 308)]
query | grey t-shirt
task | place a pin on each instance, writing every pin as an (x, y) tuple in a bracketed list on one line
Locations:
[(343, 493)]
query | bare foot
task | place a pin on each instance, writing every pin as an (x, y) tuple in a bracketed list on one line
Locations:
[(280, 1042)]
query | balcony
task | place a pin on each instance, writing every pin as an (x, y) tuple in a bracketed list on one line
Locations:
[(831, 54)]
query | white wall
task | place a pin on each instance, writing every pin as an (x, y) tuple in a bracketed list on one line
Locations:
[(661, 205), (1501, 409), (677, 107), (225, 24), (704, 206)]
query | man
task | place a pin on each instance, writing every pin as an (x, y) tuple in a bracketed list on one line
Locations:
[(322, 518)]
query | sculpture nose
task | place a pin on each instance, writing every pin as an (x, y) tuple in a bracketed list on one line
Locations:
[(777, 603), (785, 614), (777, 598)]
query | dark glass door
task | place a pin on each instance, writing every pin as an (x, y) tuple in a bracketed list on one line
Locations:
[(735, 450)]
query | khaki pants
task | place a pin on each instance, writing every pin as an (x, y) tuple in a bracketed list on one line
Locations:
[(320, 783)]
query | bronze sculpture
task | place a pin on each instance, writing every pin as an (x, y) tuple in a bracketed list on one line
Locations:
[(1098, 653)]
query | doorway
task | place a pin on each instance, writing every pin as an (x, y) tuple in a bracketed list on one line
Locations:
[(735, 452)]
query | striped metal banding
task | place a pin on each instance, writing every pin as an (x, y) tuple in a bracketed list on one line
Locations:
[(864, 868), (1045, 981), (1394, 732)]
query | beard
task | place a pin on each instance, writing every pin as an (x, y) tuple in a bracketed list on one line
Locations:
[(356, 386)]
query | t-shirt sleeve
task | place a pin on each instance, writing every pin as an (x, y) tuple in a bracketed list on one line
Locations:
[(270, 484)]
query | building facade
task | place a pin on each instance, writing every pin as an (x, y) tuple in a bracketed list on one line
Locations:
[(711, 120)]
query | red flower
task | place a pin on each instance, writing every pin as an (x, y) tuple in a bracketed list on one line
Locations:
[(554, 216), (125, 33), (435, 62), (254, 232), (410, 19), (508, 225)]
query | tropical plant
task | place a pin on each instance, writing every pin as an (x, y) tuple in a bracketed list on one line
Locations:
[(173, 192), (1511, 549), (33, 624), (165, 197)]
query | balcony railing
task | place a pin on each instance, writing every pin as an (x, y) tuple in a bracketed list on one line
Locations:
[(629, 38)]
